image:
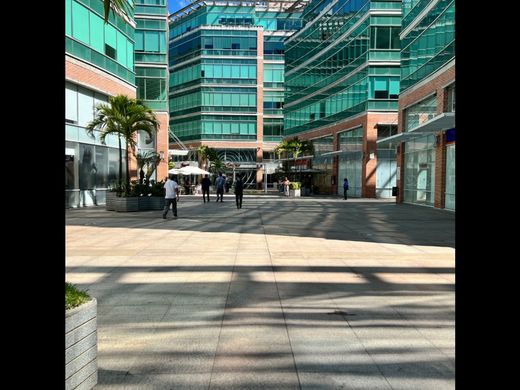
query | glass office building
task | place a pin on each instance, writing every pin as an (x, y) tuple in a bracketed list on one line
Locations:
[(151, 74), (99, 62), (226, 62), (342, 75), (426, 136)]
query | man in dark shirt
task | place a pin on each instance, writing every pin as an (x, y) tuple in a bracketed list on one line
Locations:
[(205, 187), (239, 191)]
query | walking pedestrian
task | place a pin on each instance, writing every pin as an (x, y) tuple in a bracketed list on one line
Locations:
[(171, 196), (205, 187), (220, 182), (286, 183), (239, 191), (345, 188)]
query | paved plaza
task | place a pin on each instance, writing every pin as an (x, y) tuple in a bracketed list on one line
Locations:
[(305, 293)]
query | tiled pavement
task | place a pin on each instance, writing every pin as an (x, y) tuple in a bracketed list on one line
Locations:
[(310, 293)]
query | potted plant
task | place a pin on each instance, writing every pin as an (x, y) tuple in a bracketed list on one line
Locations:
[(294, 189), (80, 339), (119, 198)]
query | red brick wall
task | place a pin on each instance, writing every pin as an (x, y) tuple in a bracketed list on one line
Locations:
[(440, 172), (162, 144), (90, 76)]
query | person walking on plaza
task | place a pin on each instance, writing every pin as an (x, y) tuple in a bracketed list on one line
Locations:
[(286, 183), (171, 197), (239, 191), (220, 182), (345, 188), (205, 187)]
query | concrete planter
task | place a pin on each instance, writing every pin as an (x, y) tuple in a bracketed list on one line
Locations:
[(295, 193), (115, 203), (151, 203), (81, 371)]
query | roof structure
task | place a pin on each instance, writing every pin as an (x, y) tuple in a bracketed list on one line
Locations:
[(266, 5)]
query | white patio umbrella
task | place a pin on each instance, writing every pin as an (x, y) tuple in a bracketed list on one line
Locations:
[(190, 170), (174, 171)]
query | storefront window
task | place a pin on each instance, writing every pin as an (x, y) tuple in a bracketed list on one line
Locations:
[(449, 202), (421, 112), (419, 174)]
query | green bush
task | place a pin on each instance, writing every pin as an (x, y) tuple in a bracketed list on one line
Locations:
[(295, 185), (74, 297), (157, 189)]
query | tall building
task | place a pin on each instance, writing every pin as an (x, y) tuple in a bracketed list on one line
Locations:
[(426, 139), (227, 78), (99, 62), (151, 74), (128, 55), (342, 85)]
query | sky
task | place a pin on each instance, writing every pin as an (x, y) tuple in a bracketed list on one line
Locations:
[(174, 5)]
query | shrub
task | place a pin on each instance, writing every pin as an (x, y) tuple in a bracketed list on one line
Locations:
[(74, 297), (295, 185)]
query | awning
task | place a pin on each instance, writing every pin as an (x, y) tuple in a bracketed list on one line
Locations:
[(441, 122), (341, 152), (178, 152)]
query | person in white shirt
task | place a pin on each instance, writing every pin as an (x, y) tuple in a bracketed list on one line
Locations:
[(172, 194)]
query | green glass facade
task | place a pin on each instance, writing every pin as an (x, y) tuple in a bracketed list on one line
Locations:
[(214, 72), (109, 46), (151, 62), (344, 62), (90, 165), (428, 40)]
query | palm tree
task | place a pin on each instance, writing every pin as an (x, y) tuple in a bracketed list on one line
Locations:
[(144, 159), (151, 165), (207, 155), (119, 5), (123, 116)]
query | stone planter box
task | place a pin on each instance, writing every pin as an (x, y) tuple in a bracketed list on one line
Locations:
[(151, 202), (295, 193), (115, 203), (81, 371)]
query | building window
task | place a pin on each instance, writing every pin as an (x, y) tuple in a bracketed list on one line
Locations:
[(421, 112), (110, 51), (450, 91)]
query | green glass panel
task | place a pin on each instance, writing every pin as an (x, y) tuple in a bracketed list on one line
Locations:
[(110, 36), (244, 72), (80, 23), (139, 40), (380, 84), (151, 41), (162, 42), (130, 55), (97, 39), (252, 72), (227, 71), (394, 87), (226, 100), (244, 100), (68, 17), (235, 99), (121, 49)]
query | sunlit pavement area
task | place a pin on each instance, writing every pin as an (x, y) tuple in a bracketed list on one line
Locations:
[(305, 293)]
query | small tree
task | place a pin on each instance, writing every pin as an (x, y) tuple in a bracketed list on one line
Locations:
[(151, 165), (124, 117)]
